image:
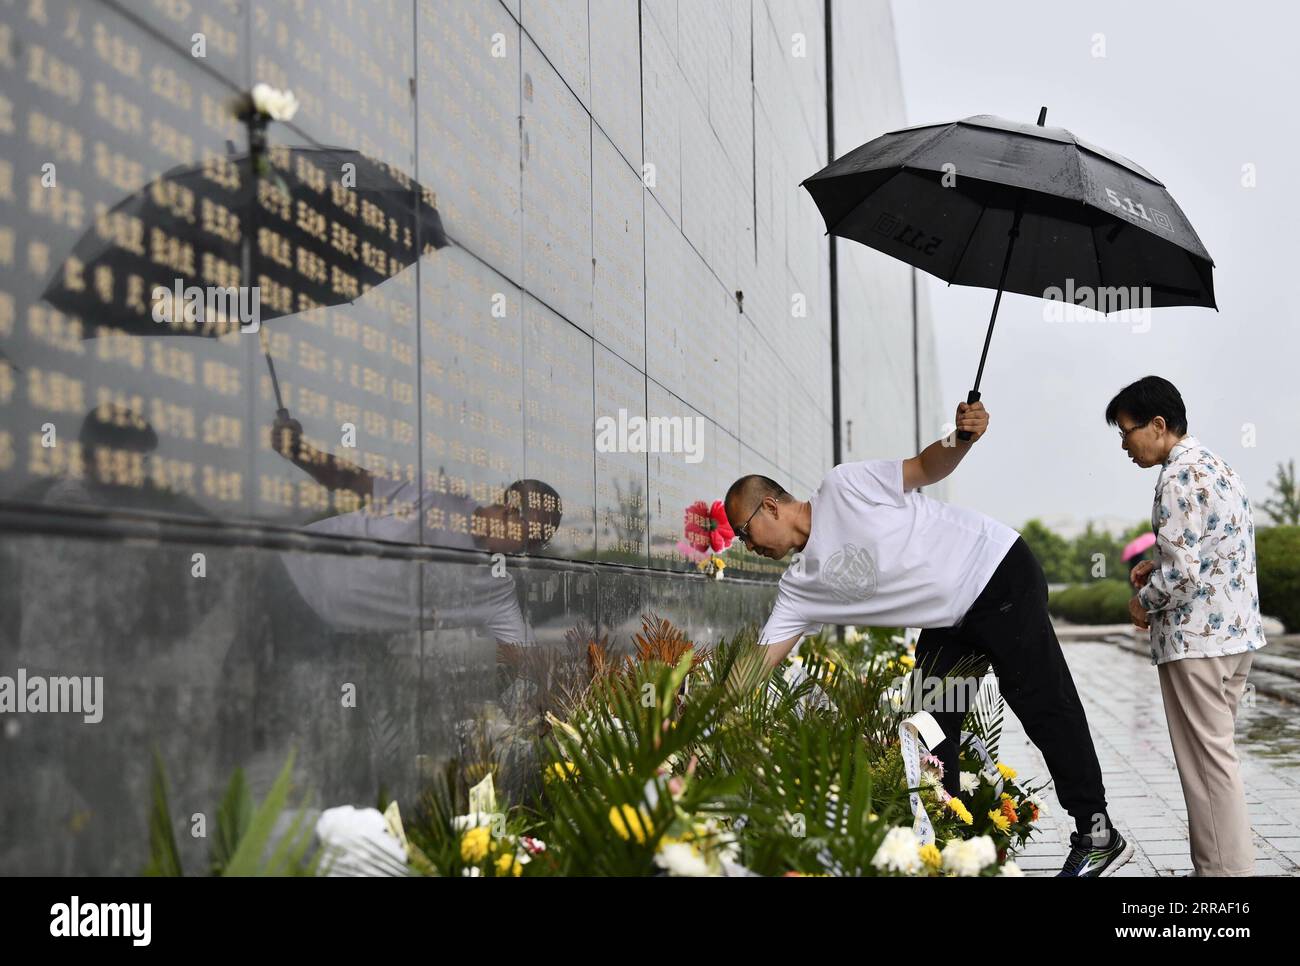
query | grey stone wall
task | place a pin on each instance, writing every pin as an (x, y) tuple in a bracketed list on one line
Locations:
[(618, 184)]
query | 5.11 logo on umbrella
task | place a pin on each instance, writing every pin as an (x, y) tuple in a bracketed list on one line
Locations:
[(893, 227), (1137, 210)]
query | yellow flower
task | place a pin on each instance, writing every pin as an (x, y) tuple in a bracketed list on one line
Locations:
[(959, 809), (475, 843), (563, 769), (1007, 771), (509, 865), (999, 820), (907, 660), (630, 823), (931, 856), (719, 563)]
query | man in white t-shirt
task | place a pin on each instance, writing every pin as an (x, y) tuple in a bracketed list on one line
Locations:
[(873, 550)]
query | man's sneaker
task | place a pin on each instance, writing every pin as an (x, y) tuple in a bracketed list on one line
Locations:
[(1088, 861)]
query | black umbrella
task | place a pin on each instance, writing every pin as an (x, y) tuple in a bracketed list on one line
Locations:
[(322, 223), (952, 199)]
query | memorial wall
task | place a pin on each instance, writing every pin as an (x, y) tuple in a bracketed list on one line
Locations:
[(519, 288)]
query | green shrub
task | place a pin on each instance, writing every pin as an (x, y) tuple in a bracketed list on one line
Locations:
[(1278, 553), (1096, 602)]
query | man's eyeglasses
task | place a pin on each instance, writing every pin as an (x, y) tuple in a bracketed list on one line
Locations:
[(742, 531), (1123, 433)]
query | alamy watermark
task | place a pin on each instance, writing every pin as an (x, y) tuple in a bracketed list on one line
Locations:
[(658, 434), (28, 694), (916, 692), (74, 919), (1092, 304), (218, 304)]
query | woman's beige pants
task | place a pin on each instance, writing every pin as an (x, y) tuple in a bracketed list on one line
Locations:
[(1200, 696)]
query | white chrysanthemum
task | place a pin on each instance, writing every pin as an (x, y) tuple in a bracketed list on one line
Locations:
[(277, 104), (985, 851), (352, 837), (1012, 870), (899, 852), (970, 782), (930, 780), (960, 859), (678, 858)]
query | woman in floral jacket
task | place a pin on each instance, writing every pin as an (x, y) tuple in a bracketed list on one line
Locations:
[(1200, 602)]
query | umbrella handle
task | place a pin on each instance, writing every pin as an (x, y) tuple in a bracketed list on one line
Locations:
[(971, 397)]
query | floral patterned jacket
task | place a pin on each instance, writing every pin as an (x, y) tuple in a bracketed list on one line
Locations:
[(1201, 598)]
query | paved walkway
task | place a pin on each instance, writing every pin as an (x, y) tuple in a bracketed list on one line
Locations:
[(1121, 693)]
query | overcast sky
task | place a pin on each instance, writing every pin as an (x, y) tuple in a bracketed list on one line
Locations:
[(1192, 92)]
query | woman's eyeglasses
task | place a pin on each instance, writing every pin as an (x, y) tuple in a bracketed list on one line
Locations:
[(1123, 433)]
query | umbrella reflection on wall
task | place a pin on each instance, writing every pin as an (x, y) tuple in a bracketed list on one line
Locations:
[(311, 227)]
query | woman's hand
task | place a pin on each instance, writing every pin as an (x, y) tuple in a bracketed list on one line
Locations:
[(1139, 614), (1140, 574)]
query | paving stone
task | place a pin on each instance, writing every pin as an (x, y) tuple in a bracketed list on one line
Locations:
[(1121, 694)]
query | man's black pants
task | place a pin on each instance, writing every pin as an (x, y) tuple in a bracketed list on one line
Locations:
[(1008, 627)]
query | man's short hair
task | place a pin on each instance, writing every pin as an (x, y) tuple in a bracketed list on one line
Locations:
[(751, 490), (1148, 398)]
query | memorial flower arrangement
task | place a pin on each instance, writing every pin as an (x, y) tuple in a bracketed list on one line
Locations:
[(685, 760)]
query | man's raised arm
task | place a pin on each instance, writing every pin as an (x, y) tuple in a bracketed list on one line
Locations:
[(940, 458)]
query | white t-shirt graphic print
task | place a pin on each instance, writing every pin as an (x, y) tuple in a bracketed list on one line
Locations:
[(879, 557)]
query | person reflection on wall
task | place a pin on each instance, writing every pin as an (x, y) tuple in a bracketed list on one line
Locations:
[(365, 593), (115, 468)]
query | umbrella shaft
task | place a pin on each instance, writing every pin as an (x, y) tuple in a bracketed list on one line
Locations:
[(1002, 280)]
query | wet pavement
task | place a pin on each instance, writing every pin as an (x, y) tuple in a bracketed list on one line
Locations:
[(1121, 693)]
